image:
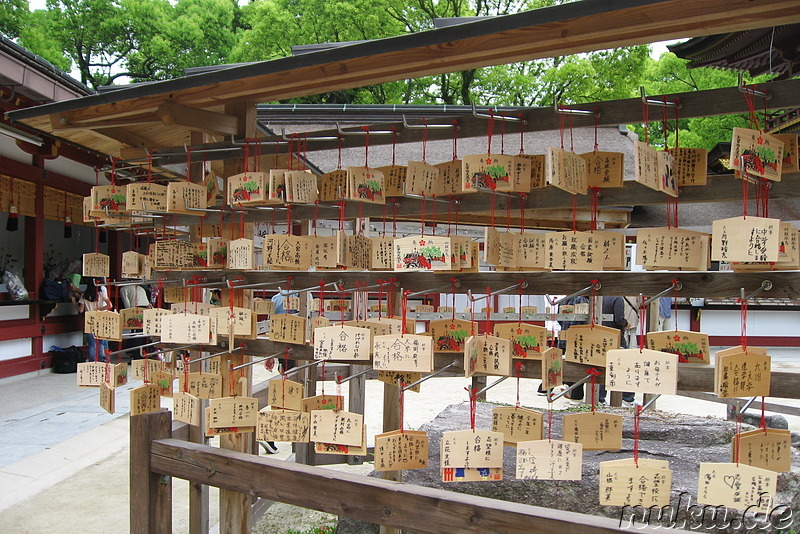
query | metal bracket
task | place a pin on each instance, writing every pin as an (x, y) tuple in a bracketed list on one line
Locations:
[(596, 285), (425, 126), (340, 380), (427, 377), (248, 364), (521, 284), (502, 118), (676, 286), (766, 285), (455, 283), (659, 103), (749, 90), (568, 111)]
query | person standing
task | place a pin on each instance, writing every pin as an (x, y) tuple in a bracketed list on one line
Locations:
[(664, 314), (94, 299), (615, 306)]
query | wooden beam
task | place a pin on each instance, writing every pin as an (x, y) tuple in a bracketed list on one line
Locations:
[(60, 122), (127, 137), (150, 493), (196, 119), (416, 508)]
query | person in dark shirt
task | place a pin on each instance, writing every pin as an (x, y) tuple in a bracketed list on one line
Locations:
[(615, 306)]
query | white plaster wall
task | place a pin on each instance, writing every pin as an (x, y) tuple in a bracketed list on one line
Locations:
[(15, 348)]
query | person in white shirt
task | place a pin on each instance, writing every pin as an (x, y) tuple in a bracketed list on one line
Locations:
[(94, 299)]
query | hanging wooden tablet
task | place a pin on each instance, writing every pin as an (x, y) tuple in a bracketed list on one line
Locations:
[(532, 251), (333, 186), (538, 173), (303, 187), (366, 185), (96, 265), (549, 459), (186, 408), (146, 197), (107, 398), (185, 328), (145, 399), (423, 179), (173, 254), (507, 250), (611, 246), (88, 206), (359, 252), (760, 153), (202, 385), (381, 258), (642, 371), (132, 318), (138, 368), (394, 377), (242, 320), (283, 425), (573, 251), (788, 252), (491, 245), (131, 264), (790, 162), (347, 343), (588, 344), (151, 321), (622, 483), (552, 368), (472, 449), (566, 170), (490, 355), (521, 174), (745, 239), (670, 248), (691, 347), (450, 176), (240, 254), (287, 329), (517, 424), (337, 427), (197, 308), (221, 431), (323, 402), (285, 394), (666, 176), (422, 253), (737, 486), (394, 177), (211, 182), (646, 165), (247, 188), (691, 165), (108, 199), (767, 448), (449, 335), (349, 450), (263, 306), (604, 169), (217, 253), (460, 252), (486, 171), (233, 412), (527, 340), (107, 325), (164, 382), (594, 430), (91, 374), (742, 374), (182, 197), (403, 353), (401, 449), (282, 251)]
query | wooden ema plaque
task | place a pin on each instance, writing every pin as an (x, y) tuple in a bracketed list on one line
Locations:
[(642, 371), (490, 355), (487, 171), (164, 382), (528, 341), (301, 187), (690, 165), (566, 171), (107, 325), (745, 239), (788, 254), (283, 251), (151, 321), (549, 459), (147, 197), (262, 306), (654, 169), (759, 153), (767, 448), (588, 344), (622, 483), (91, 374), (595, 431), (132, 264), (240, 254), (283, 425), (138, 368), (531, 251), (217, 252), (348, 343), (145, 399), (233, 412), (394, 377), (247, 188), (521, 174), (186, 408), (323, 402), (394, 178), (108, 199), (107, 398), (423, 179), (573, 251), (186, 328), (670, 248), (221, 431), (491, 246), (507, 250), (538, 174), (381, 253), (449, 335), (422, 253), (604, 169), (240, 319), (287, 329), (332, 186), (790, 163), (611, 246), (276, 186), (350, 450), (399, 450), (471, 449), (449, 177), (742, 374), (407, 352), (182, 197), (691, 347), (366, 185), (285, 394), (741, 487), (552, 368), (202, 385), (132, 318), (517, 424), (96, 265), (337, 427)]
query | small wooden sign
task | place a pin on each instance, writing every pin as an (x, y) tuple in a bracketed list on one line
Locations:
[(182, 197), (96, 265), (107, 397), (642, 371), (247, 188), (790, 162), (132, 318), (202, 385), (746, 374), (185, 328), (151, 321), (759, 153), (611, 245), (517, 424), (622, 483), (531, 251), (147, 197), (646, 165), (691, 347), (282, 251), (588, 344), (337, 427), (449, 335), (528, 341), (567, 171), (737, 486), (767, 448), (224, 430), (521, 174), (423, 179), (604, 169), (549, 459), (283, 425), (670, 248), (145, 399), (276, 186), (323, 402), (450, 176), (233, 412), (132, 264), (287, 329), (381, 250), (108, 199), (401, 449), (691, 165), (405, 352), (490, 355), (241, 319), (538, 173), (263, 306), (301, 187), (745, 239), (338, 448), (394, 178), (186, 408), (107, 325), (333, 186), (573, 251), (343, 342), (595, 431), (217, 252), (163, 380), (460, 248), (394, 377), (141, 369), (240, 254), (366, 185), (487, 171), (287, 394), (472, 448), (422, 253), (552, 368)]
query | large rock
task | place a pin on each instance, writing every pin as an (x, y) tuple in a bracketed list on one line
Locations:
[(684, 440)]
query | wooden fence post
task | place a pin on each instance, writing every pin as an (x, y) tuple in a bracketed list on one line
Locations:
[(198, 493), (150, 493)]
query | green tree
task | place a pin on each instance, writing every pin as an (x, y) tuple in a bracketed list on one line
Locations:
[(13, 15)]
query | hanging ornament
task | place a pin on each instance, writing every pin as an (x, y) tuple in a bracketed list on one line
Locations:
[(12, 223)]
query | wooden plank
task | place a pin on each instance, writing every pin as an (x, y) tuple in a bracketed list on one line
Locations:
[(391, 421), (198, 492), (201, 120), (150, 493), (60, 122), (416, 508), (768, 406), (357, 395)]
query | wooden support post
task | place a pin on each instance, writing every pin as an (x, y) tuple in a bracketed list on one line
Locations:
[(198, 493), (304, 452), (150, 493), (357, 401), (391, 421)]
